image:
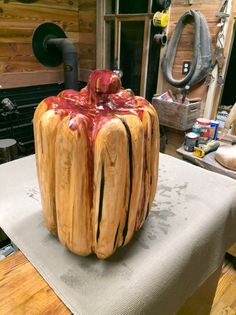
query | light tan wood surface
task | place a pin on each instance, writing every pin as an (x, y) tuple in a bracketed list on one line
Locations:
[(126, 146), (208, 162), (18, 65), (24, 292), (225, 298), (87, 35)]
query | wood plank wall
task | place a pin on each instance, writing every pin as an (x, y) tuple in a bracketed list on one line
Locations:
[(18, 65), (87, 36), (185, 47)]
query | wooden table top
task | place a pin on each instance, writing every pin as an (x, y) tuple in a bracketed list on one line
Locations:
[(208, 162), (24, 292)]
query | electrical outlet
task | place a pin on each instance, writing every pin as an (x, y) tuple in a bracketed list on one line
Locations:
[(186, 67)]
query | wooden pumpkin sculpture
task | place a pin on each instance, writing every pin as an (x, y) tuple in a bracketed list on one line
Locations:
[(97, 162)]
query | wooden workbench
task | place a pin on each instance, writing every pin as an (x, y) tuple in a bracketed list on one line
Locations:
[(208, 162), (24, 291)]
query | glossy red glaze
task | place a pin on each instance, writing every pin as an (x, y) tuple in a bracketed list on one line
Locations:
[(91, 108), (101, 100)]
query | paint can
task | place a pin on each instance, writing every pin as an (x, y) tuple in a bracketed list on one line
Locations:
[(191, 139), (205, 128)]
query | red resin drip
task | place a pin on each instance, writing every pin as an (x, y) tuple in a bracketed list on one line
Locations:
[(100, 101), (103, 99)]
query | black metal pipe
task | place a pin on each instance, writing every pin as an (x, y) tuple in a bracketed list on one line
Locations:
[(69, 55)]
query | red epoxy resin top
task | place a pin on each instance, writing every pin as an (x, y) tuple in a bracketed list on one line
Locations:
[(101, 100)]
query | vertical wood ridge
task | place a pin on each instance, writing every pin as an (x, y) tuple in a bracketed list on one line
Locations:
[(129, 138), (102, 184), (116, 235)]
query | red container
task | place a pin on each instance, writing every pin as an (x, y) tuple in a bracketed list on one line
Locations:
[(205, 128)]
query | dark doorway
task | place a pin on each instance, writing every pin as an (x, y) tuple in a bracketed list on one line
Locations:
[(229, 93)]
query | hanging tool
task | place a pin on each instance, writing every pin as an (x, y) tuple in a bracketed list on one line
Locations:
[(160, 19), (202, 56)]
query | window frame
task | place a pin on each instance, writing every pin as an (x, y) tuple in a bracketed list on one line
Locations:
[(103, 47)]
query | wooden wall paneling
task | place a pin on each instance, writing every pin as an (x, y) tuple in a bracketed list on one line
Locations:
[(87, 36), (86, 22), (100, 34), (18, 65)]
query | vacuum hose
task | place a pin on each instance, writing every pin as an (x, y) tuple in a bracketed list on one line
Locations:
[(202, 56), (51, 47), (69, 56)]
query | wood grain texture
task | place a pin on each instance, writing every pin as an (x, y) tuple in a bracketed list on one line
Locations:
[(46, 131), (24, 292), (111, 174), (87, 34), (225, 297), (97, 163), (136, 158), (72, 186), (150, 164), (36, 297), (18, 65)]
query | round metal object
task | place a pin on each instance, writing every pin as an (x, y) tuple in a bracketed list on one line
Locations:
[(8, 150), (48, 56)]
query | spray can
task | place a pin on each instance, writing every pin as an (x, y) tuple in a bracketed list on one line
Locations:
[(214, 129)]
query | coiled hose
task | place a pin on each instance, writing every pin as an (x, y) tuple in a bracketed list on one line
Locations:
[(202, 56)]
